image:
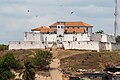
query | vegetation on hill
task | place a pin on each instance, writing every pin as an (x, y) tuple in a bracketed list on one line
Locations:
[(8, 62), (28, 71), (74, 59), (23, 60), (91, 60), (42, 59), (118, 38), (100, 31), (3, 47)]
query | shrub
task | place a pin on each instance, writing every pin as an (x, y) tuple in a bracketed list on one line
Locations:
[(3, 47), (42, 59), (8, 62)]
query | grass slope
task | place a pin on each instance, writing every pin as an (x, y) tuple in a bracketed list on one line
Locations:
[(91, 60)]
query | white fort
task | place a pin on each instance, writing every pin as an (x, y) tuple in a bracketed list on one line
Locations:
[(66, 35)]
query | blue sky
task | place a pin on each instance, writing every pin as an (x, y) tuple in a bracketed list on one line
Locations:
[(15, 18)]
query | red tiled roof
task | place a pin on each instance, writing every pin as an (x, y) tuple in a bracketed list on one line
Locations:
[(81, 24), (44, 29), (40, 28), (69, 30), (52, 30), (79, 30)]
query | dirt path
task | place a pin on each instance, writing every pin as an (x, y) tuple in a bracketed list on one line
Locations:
[(55, 73)]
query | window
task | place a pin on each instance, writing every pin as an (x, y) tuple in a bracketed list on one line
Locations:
[(31, 42), (58, 26), (19, 42)]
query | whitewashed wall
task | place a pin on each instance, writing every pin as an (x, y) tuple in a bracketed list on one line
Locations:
[(105, 46), (115, 46), (82, 45), (68, 37), (111, 38), (103, 38), (26, 45), (36, 40), (50, 37), (83, 37), (33, 36), (108, 38), (96, 37), (76, 37)]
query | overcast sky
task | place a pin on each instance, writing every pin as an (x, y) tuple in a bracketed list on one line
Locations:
[(15, 18)]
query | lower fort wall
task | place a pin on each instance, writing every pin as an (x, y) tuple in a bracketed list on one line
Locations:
[(90, 45), (26, 45), (82, 45)]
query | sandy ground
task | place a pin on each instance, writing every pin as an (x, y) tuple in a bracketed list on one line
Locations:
[(55, 73)]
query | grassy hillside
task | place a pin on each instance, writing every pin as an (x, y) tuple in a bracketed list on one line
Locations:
[(74, 58), (91, 60)]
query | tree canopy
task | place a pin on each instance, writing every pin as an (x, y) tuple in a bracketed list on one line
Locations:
[(8, 62), (118, 38), (3, 47), (100, 31), (42, 59), (28, 72)]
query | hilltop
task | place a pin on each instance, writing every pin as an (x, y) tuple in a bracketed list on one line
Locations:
[(91, 60)]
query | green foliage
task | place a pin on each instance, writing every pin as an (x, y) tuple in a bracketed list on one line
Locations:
[(100, 31), (6, 75), (28, 72), (42, 59), (8, 62), (3, 47), (118, 38)]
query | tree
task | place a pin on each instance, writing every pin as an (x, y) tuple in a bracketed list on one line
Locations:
[(100, 31), (118, 38), (8, 62), (3, 47), (42, 59), (28, 72)]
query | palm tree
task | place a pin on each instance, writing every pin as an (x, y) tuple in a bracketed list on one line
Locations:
[(28, 72)]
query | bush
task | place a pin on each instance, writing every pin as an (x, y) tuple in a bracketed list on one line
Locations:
[(42, 59), (8, 62), (28, 71), (118, 39), (3, 47)]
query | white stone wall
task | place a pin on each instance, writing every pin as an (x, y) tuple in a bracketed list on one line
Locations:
[(111, 39), (76, 37), (103, 38), (96, 37), (108, 38), (83, 37), (26, 45), (109, 46), (36, 40), (49, 37), (68, 37), (115, 46), (82, 45), (105, 46), (33, 36)]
